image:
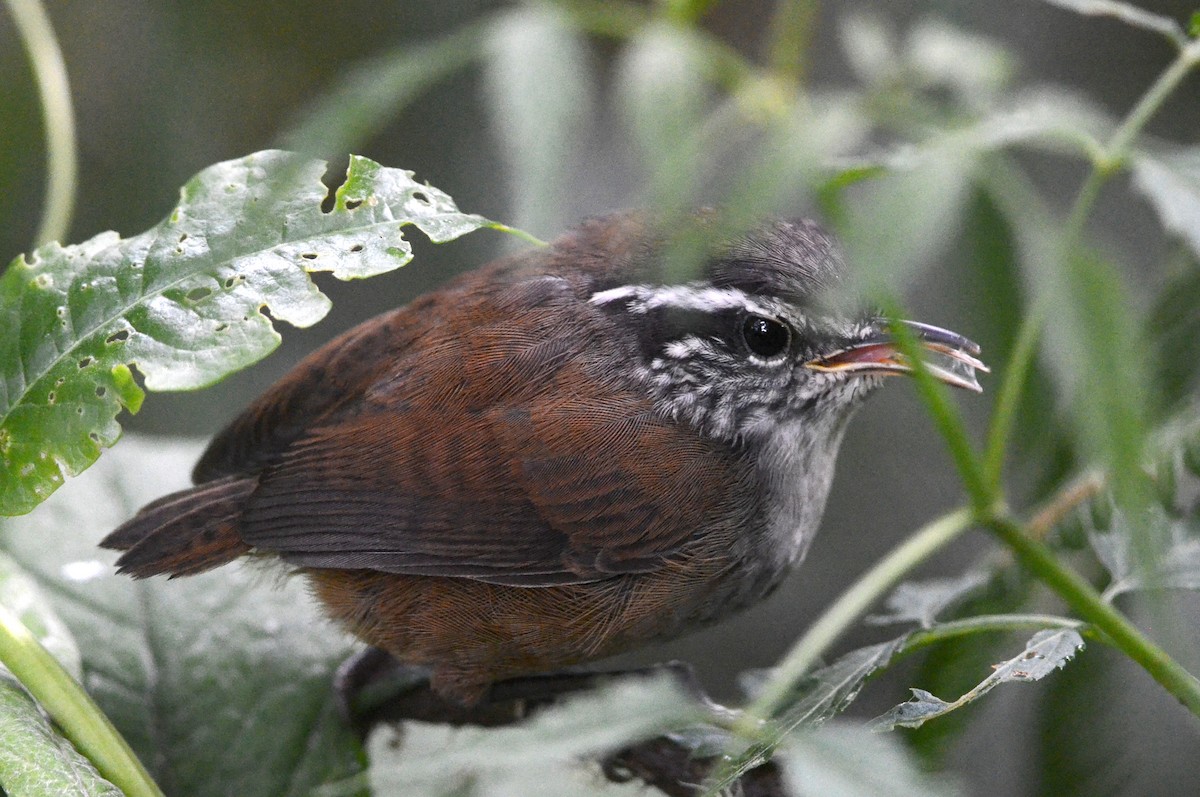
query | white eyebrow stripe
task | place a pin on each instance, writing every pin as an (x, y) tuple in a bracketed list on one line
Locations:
[(691, 296)]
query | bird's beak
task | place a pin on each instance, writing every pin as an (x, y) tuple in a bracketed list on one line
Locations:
[(954, 359)]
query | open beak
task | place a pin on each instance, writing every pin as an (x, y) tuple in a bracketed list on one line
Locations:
[(953, 359)]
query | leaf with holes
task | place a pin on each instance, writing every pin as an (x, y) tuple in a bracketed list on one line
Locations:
[(1047, 651), (185, 301)]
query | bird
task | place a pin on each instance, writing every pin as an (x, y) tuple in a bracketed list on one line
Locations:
[(567, 453)]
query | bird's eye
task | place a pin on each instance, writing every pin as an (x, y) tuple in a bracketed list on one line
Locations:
[(765, 337)]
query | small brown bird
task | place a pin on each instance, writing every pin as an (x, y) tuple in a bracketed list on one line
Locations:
[(554, 458)]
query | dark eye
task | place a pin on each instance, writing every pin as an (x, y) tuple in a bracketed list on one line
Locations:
[(765, 337)]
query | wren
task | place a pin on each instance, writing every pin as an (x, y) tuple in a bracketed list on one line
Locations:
[(555, 458)]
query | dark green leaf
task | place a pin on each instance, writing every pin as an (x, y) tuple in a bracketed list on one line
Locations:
[(34, 760), (220, 682), (185, 301), (1047, 651), (1174, 331)]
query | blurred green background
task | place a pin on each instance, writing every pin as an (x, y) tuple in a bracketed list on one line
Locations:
[(163, 89)]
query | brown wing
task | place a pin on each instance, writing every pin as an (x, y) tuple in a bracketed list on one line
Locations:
[(505, 453)]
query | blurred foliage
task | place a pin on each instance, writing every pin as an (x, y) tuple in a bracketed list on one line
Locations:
[(936, 148)]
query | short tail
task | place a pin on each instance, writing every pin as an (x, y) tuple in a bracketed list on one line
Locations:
[(186, 532)]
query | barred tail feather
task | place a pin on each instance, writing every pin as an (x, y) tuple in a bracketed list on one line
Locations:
[(186, 532)]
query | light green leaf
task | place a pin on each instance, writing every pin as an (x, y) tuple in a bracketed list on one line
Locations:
[(21, 595), (545, 755), (922, 601), (900, 221), (1127, 13), (843, 760), (220, 682), (539, 94), (34, 760), (186, 301), (1047, 651), (974, 66), (829, 690), (1176, 567), (663, 83), (1171, 181), (870, 47)]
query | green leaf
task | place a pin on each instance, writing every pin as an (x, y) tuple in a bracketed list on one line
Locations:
[(186, 301), (1090, 327), (539, 93), (895, 224), (220, 682), (1047, 651), (1171, 181), (974, 66), (1174, 330), (541, 756), (1176, 567), (34, 760), (954, 665), (1127, 13), (664, 84), (831, 689), (922, 601), (842, 760), (21, 595), (366, 98)]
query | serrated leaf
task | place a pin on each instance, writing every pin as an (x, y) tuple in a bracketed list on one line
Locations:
[(1047, 651), (1171, 181), (1176, 567), (922, 601), (539, 94), (842, 760), (34, 760), (1127, 13), (541, 756), (184, 301), (829, 690), (220, 682)]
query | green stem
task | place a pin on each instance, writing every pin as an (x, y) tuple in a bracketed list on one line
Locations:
[(80, 719), (946, 417), (1152, 100), (1016, 373), (1083, 598), (527, 237), (50, 72), (847, 610), (988, 624)]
